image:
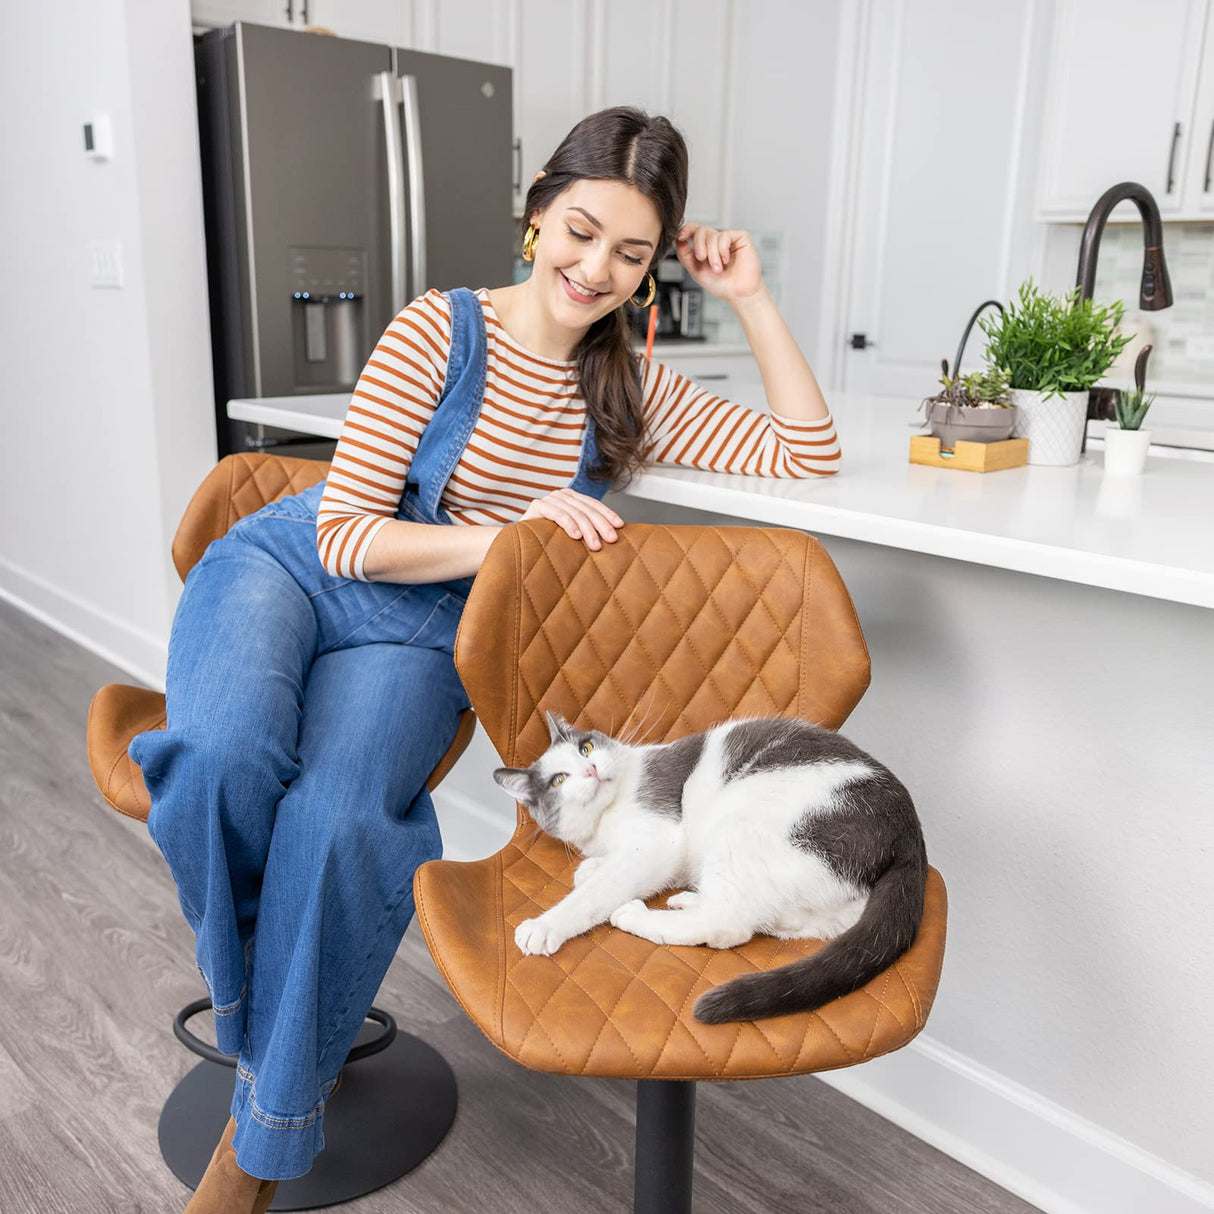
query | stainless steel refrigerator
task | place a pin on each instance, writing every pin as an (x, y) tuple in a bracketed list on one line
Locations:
[(341, 179)]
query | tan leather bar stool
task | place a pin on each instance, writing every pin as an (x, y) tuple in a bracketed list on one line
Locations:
[(678, 627), (378, 1128)]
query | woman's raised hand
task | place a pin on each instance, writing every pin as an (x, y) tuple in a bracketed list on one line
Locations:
[(585, 518), (725, 264)]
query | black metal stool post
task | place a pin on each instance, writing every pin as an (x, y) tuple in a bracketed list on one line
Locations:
[(665, 1146), (386, 1118)]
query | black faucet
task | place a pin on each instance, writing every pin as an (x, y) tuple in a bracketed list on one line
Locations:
[(1156, 290)]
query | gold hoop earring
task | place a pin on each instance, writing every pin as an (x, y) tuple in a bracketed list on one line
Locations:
[(653, 287), (529, 238)]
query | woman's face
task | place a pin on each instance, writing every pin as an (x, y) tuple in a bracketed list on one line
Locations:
[(597, 240)]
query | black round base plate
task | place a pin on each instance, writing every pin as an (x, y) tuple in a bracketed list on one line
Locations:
[(391, 1111)]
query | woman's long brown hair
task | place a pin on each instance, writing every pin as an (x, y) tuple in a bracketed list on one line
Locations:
[(648, 153)]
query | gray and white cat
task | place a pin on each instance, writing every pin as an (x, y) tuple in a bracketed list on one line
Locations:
[(770, 824)]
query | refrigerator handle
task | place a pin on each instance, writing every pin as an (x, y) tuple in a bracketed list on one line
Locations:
[(417, 185), (389, 94)]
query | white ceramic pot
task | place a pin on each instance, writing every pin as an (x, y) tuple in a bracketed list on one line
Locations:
[(1053, 427), (1125, 451)]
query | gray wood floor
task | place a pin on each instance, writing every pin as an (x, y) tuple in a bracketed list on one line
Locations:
[(95, 958)]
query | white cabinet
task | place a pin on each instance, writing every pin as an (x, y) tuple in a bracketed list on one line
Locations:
[(466, 29), (671, 57), (384, 21), (1130, 97), (726, 371), (1198, 191), (699, 72), (261, 12), (549, 58)]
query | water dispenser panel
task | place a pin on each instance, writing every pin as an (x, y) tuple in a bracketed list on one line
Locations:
[(328, 317)]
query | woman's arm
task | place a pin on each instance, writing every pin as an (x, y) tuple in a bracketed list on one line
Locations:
[(401, 551), (688, 426), (725, 265), (391, 405)]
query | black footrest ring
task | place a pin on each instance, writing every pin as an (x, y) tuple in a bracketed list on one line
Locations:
[(196, 1045)]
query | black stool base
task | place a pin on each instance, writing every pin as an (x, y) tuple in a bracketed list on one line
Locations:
[(389, 1114), (665, 1146)]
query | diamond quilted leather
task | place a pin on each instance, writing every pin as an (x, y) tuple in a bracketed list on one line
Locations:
[(668, 630), (237, 486), (116, 715)]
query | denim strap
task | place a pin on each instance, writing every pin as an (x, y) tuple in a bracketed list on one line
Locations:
[(455, 416)]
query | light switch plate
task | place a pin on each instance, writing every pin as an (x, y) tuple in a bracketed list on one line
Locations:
[(105, 264)]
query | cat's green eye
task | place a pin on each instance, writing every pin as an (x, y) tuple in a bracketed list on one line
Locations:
[(557, 779), (586, 747)]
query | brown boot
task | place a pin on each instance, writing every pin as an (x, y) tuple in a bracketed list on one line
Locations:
[(227, 1189)]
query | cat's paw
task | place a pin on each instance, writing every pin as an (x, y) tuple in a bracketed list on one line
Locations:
[(584, 869), (538, 936), (630, 916), (684, 901)]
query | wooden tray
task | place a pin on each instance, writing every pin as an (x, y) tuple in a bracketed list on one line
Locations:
[(971, 457)]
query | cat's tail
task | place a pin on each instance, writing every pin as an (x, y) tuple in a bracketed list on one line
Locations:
[(885, 930)]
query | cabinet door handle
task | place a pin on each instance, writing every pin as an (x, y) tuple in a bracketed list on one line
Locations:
[(1209, 156), (1172, 158), (518, 164)]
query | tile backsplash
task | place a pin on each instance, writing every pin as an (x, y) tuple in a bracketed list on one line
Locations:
[(1182, 335)]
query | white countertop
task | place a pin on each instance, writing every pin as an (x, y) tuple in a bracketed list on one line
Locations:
[(1151, 534)]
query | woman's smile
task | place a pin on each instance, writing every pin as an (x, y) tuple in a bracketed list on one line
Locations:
[(577, 292)]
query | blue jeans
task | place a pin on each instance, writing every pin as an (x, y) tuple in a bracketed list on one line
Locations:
[(304, 715)]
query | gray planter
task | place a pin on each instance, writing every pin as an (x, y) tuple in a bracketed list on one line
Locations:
[(952, 424)]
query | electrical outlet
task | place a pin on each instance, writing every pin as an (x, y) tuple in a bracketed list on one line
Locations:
[(1200, 348), (105, 264)]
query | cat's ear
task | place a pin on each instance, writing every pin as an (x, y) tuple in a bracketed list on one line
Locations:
[(558, 727), (516, 781)]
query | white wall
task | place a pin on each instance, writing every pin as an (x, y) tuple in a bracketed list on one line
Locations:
[(108, 392)]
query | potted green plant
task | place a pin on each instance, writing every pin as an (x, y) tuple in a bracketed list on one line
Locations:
[(974, 408), (1126, 443), (1054, 350)]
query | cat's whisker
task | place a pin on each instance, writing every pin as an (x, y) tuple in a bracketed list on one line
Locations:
[(645, 740), (641, 723), (623, 729)]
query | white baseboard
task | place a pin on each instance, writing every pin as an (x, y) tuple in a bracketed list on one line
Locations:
[(1061, 1163), (139, 653)]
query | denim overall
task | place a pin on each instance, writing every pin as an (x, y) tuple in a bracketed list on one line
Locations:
[(305, 713)]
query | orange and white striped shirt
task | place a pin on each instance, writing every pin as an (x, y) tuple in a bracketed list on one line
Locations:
[(528, 437)]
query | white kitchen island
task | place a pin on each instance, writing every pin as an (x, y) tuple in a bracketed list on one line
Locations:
[(1043, 682), (1148, 534)]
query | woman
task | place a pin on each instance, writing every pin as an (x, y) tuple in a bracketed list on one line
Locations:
[(288, 788)]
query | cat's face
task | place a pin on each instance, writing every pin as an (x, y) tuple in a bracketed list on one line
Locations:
[(570, 784)]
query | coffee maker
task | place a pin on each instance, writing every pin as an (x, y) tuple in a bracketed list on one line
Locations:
[(679, 301)]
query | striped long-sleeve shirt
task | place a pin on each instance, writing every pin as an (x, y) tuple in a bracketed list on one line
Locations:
[(527, 439)]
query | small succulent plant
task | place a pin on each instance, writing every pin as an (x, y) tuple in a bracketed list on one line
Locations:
[(991, 386), (1131, 406)]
